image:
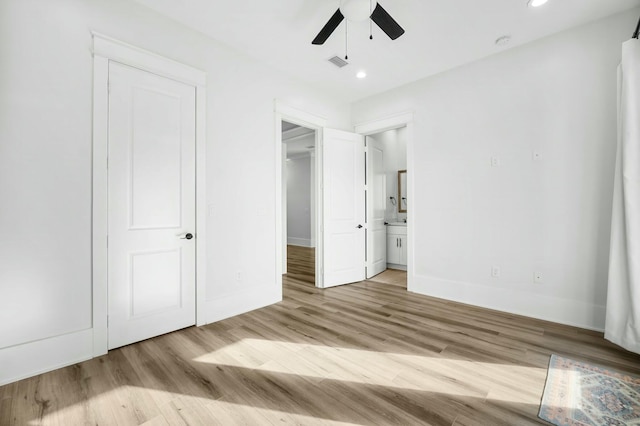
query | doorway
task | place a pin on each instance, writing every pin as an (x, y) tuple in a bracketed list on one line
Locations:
[(387, 206), (393, 138), (296, 117), (299, 202), (336, 191)]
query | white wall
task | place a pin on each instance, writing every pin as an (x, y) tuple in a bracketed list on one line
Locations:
[(557, 97), (45, 170), (299, 197)]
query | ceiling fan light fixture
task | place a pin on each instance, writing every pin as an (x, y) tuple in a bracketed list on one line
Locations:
[(357, 10), (536, 3), (353, 10)]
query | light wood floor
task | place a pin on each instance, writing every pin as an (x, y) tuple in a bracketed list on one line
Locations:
[(369, 353)]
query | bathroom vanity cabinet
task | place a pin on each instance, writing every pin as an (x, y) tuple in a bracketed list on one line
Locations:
[(397, 246)]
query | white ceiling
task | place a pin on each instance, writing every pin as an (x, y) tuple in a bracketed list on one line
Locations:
[(440, 35)]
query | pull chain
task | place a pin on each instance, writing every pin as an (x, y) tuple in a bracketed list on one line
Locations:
[(370, 20), (346, 40)]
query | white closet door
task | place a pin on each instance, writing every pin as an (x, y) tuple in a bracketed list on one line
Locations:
[(151, 253)]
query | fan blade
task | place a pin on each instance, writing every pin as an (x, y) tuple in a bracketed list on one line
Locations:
[(386, 22), (328, 28)]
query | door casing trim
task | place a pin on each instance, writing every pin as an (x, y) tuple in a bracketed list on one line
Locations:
[(105, 50), (382, 124), (282, 111)]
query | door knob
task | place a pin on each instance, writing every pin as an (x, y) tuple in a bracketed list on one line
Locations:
[(187, 236), (359, 226)]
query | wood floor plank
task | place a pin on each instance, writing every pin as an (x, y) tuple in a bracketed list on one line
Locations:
[(366, 353)]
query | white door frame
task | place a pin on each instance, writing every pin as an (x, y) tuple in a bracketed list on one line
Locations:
[(105, 50), (313, 122), (388, 123)]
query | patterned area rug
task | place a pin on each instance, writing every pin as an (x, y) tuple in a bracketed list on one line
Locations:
[(581, 394)]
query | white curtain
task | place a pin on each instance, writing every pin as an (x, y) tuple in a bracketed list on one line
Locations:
[(623, 299)]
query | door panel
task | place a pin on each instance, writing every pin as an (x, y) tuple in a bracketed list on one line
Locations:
[(155, 190), (151, 272), (344, 211), (155, 281), (376, 208)]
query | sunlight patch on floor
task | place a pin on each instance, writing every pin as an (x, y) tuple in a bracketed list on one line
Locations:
[(500, 382), (571, 397)]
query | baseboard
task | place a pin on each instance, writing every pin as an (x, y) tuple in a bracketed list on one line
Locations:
[(302, 242), (240, 303), (29, 359), (396, 266), (563, 311)]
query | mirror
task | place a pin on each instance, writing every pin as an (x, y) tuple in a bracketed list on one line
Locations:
[(402, 191)]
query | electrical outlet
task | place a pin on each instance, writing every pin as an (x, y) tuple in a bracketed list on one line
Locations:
[(495, 271), (537, 277), (495, 161), (239, 276)]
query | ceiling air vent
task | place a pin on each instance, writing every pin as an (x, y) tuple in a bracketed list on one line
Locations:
[(338, 62)]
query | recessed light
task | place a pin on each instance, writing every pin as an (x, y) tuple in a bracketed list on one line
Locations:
[(361, 74), (536, 3)]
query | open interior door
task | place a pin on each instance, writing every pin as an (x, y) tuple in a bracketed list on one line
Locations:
[(376, 206), (343, 196)]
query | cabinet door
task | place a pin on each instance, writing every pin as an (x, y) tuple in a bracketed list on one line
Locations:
[(402, 252), (393, 249)]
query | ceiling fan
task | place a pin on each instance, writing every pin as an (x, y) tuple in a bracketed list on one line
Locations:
[(359, 10)]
